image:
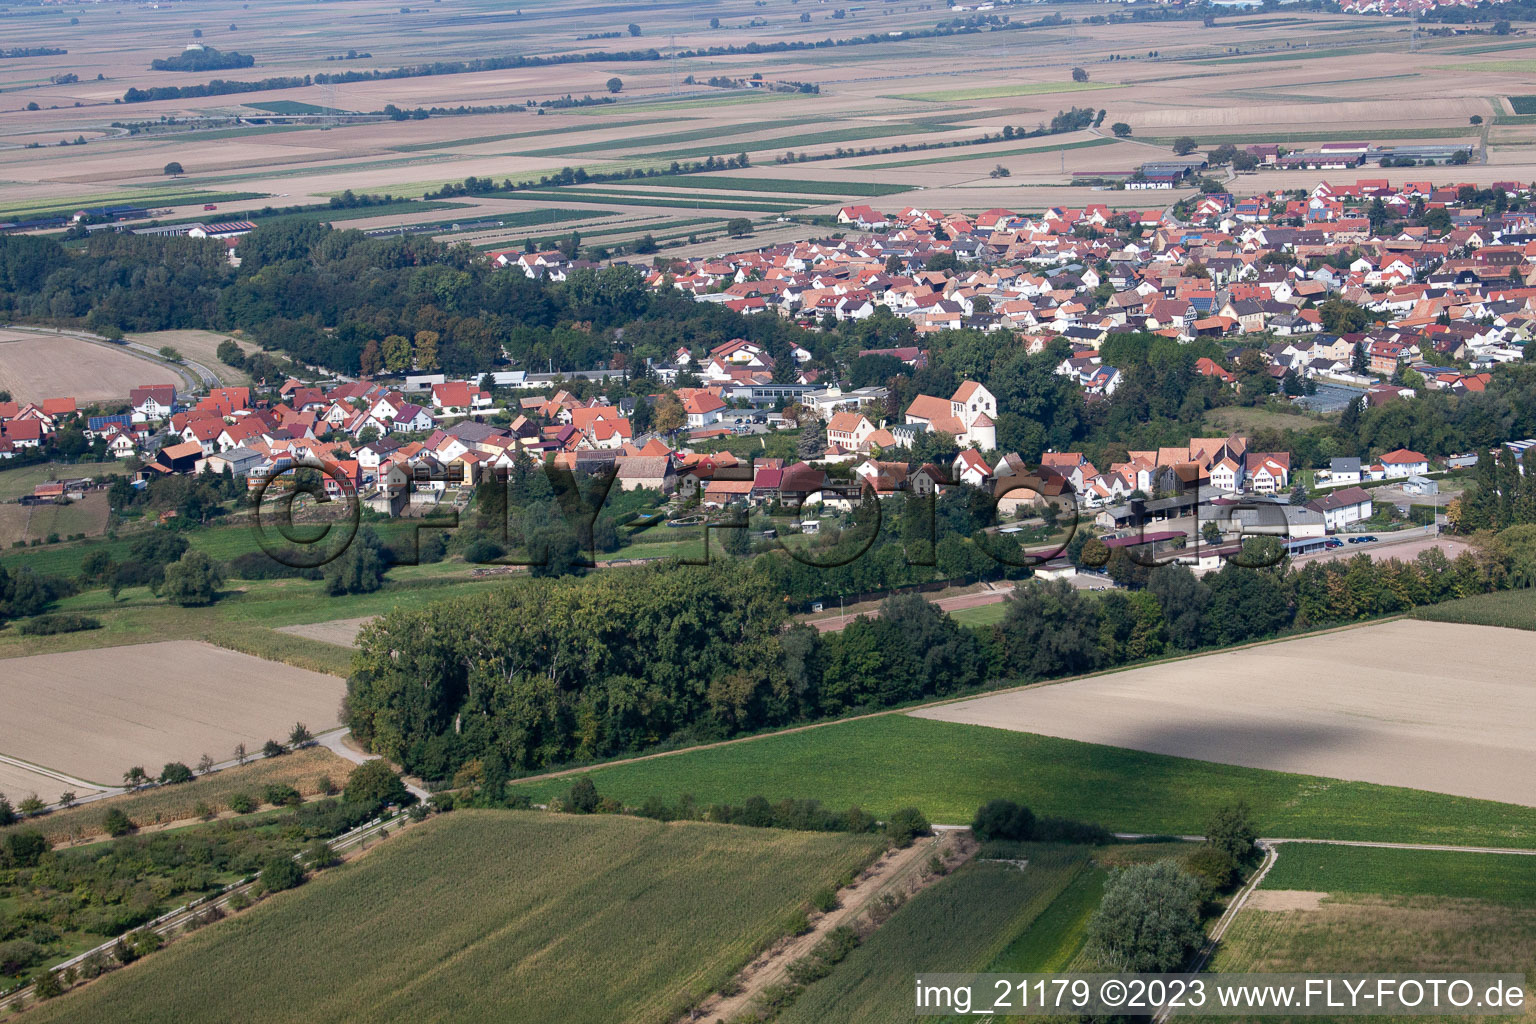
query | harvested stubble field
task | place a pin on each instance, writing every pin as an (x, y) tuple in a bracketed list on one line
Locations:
[(1432, 706), (38, 366), (94, 714), (201, 347), (342, 632), (489, 916), (305, 770)]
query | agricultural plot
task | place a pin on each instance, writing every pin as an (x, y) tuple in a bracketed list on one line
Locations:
[(27, 523), (959, 925), (1387, 911), (200, 347), (890, 761), (1455, 717), (1511, 609), (1385, 871), (490, 916), (342, 632), (93, 714), (1000, 91), (38, 366)]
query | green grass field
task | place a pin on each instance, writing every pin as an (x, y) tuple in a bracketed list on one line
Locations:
[(1515, 609), (958, 925), (984, 615), (493, 916), (1057, 936), (152, 196), (291, 107), (1508, 878), (948, 770), (1001, 91), (1249, 419), (16, 482), (1523, 67)]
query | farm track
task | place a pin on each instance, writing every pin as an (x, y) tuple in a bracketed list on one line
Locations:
[(1271, 848), (900, 872)]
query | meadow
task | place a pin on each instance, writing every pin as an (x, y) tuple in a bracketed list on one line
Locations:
[(1507, 878), (22, 480), (889, 761), (1387, 911), (494, 916), (1513, 609)]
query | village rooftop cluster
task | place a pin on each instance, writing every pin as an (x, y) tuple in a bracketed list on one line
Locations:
[(1359, 304)]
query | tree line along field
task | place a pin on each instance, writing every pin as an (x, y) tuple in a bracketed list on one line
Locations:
[(494, 916), (892, 760), (306, 770)]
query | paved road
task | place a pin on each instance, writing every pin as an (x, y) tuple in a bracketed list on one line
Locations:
[(335, 741), (37, 769)]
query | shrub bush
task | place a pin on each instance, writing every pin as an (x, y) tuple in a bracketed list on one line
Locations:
[(281, 873), (1003, 819), (116, 823), (906, 825), (60, 622)]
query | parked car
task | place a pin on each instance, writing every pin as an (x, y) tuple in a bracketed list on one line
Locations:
[(210, 206), (1332, 542), (1365, 539)]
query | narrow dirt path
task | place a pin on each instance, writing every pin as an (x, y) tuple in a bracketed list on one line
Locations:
[(899, 873)]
